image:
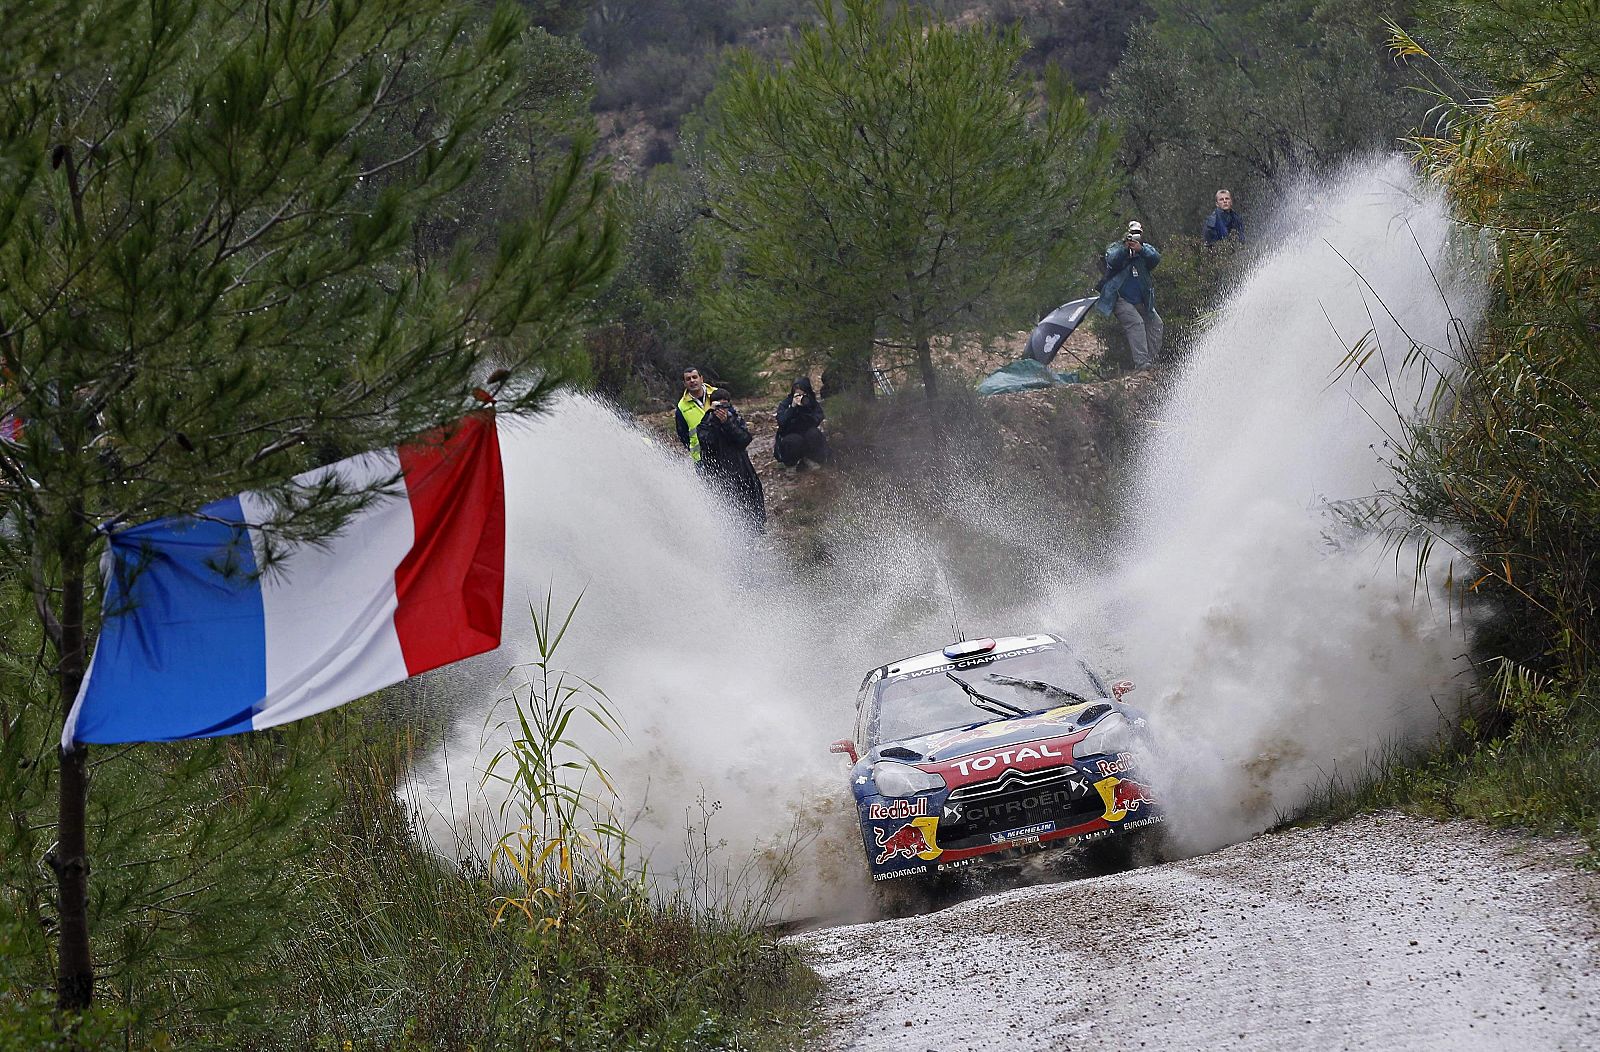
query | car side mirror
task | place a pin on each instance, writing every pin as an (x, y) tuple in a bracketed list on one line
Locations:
[(1121, 687), (846, 746)]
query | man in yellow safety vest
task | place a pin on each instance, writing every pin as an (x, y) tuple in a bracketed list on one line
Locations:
[(692, 409)]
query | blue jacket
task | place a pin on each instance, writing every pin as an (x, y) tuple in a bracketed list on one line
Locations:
[(1119, 266), (1220, 224)]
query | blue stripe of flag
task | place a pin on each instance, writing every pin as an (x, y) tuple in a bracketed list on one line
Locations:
[(182, 650)]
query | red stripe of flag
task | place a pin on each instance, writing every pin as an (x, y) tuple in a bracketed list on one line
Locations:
[(451, 585)]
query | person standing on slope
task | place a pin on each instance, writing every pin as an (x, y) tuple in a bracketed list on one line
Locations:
[(1223, 222), (692, 409), (1128, 292)]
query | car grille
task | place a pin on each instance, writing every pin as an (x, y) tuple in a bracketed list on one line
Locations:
[(1014, 800)]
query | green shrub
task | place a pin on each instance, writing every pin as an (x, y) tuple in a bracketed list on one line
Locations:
[(1540, 771)]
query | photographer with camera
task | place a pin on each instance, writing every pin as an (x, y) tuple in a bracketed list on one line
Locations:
[(723, 438), (1128, 292), (800, 441)]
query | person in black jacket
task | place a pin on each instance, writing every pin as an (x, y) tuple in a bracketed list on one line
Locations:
[(800, 438), (723, 439)]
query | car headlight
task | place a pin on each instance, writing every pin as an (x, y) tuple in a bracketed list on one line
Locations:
[(1110, 736), (902, 779)]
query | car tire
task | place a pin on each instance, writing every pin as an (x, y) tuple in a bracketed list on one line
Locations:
[(909, 897), (1111, 854), (1123, 851)]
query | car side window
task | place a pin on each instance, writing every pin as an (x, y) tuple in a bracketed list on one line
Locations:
[(865, 706)]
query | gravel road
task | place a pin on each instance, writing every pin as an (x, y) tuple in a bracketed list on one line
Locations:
[(1379, 933)]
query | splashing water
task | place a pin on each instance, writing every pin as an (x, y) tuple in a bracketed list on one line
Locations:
[(1272, 648), (1283, 650)]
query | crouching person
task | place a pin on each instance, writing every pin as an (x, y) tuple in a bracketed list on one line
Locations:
[(1129, 293), (723, 439), (800, 438)]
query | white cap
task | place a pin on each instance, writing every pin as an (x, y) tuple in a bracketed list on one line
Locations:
[(1135, 230)]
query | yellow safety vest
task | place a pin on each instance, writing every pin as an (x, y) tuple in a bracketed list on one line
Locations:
[(693, 412)]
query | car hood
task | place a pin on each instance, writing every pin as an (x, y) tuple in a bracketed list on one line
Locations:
[(964, 741)]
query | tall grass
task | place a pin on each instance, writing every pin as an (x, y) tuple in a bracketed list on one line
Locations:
[(1505, 469), (1511, 460), (564, 848), (541, 933)]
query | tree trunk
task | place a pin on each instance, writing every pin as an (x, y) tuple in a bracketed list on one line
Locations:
[(70, 858), (930, 378), (850, 373)]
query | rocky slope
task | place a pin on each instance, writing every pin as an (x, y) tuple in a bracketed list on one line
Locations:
[(1067, 444)]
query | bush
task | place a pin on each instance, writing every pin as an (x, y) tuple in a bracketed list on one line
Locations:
[(1540, 771), (1512, 462), (654, 325)]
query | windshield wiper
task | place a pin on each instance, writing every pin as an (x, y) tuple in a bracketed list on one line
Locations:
[(986, 703), (1039, 685)]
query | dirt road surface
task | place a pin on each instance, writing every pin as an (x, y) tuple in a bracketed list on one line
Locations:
[(1380, 933)]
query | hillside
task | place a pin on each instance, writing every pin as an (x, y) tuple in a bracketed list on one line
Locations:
[(1065, 444), (655, 60)]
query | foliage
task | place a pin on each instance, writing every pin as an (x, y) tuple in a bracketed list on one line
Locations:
[(1248, 95), (520, 154), (897, 180), (551, 940), (204, 283), (196, 858), (337, 923), (654, 322), (1506, 471), (1514, 462), (566, 847), (657, 60), (1541, 771), (199, 291), (661, 55), (1085, 37)]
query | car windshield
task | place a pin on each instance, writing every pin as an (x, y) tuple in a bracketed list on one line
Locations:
[(924, 702)]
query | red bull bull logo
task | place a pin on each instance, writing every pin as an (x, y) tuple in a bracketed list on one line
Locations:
[(1122, 796), (916, 839)]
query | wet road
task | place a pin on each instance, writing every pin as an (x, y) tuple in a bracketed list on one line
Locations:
[(1380, 933)]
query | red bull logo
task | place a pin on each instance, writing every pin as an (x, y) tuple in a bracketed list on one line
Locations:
[(916, 839), (880, 812), (1122, 764), (1122, 796), (1130, 796)]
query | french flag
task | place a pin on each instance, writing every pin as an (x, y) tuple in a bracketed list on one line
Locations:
[(195, 642)]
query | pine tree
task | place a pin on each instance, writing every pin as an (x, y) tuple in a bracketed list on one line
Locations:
[(205, 288), (899, 179)]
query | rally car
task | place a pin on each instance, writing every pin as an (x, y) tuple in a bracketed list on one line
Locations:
[(989, 746)]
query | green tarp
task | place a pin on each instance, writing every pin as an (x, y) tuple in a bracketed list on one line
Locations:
[(1024, 374)]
